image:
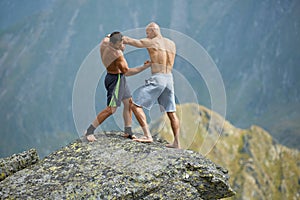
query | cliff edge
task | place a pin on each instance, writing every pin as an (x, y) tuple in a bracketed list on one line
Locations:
[(118, 168)]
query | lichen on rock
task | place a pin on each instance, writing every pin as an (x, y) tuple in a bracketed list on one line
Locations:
[(118, 168), (17, 162)]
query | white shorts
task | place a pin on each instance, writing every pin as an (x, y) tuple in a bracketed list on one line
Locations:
[(158, 88)]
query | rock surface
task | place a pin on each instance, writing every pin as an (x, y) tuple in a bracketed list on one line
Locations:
[(118, 168), (17, 162)]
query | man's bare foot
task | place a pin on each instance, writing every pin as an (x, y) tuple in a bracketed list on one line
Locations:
[(126, 135), (90, 138), (176, 146), (144, 139)]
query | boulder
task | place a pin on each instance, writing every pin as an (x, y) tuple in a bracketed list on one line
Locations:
[(17, 162), (117, 168)]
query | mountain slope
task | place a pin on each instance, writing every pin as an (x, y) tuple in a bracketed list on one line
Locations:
[(259, 167), (256, 47)]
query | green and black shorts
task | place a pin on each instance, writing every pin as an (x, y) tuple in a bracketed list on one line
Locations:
[(117, 89)]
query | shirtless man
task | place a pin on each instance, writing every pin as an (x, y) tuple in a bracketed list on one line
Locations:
[(160, 86), (111, 51)]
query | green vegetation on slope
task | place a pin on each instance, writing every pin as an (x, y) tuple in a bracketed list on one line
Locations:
[(259, 167)]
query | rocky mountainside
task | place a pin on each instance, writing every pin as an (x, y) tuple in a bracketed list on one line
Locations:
[(118, 168), (259, 167), (255, 45)]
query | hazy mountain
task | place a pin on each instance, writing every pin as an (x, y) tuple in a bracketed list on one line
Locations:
[(255, 45), (259, 167)]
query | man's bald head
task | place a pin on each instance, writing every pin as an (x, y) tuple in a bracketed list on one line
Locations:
[(152, 30), (153, 25)]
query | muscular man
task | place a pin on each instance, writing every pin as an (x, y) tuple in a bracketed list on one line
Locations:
[(160, 86), (111, 51)]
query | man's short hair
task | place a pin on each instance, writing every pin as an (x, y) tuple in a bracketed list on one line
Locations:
[(115, 37)]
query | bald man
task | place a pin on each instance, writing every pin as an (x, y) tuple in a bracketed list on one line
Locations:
[(160, 86)]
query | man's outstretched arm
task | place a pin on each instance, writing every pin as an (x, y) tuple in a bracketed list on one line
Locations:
[(136, 70), (142, 43)]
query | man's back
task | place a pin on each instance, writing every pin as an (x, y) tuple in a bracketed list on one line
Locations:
[(162, 53), (111, 58)]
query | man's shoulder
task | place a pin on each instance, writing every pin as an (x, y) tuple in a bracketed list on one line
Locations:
[(104, 41), (169, 40), (108, 49), (170, 44)]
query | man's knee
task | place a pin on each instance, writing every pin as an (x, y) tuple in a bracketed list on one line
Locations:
[(126, 101), (105, 113), (130, 100), (110, 110), (132, 105)]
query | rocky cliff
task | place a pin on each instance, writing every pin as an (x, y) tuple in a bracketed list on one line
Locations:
[(118, 168), (259, 167)]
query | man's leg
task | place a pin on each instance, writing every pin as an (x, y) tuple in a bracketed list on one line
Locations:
[(127, 113), (99, 119), (127, 116), (141, 117), (175, 128)]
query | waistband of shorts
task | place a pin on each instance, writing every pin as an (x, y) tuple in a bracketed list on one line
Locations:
[(162, 74), (121, 74)]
